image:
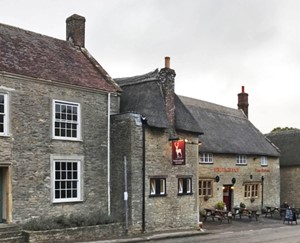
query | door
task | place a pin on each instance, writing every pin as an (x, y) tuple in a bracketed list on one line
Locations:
[(227, 196), (1, 195)]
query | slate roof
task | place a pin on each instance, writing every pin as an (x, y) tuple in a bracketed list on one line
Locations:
[(289, 144), (227, 130), (38, 56), (143, 94)]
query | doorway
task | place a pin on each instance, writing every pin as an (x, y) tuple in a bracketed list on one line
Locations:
[(228, 196), (5, 194)]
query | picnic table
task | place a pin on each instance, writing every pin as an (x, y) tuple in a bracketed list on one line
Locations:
[(246, 212), (271, 210), (218, 214)]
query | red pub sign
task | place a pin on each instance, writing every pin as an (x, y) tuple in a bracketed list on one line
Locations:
[(178, 152)]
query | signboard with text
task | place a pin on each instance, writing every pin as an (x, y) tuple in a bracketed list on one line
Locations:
[(178, 152)]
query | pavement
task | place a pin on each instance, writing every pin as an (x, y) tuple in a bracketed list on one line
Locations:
[(209, 227)]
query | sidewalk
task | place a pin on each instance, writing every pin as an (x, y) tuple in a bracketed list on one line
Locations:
[(210, 227)]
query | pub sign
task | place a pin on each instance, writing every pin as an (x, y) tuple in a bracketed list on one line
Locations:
[(178, 152)]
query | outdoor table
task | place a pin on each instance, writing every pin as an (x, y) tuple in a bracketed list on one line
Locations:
[(219, 214), (272, 210), (250, 213)]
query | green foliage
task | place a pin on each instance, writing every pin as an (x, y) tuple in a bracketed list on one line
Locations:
[(242, 205), (73, 220), (281, 129), (220, 205)]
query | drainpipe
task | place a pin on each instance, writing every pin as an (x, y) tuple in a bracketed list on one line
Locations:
[(108, 154), (144, 123), (262, 192)]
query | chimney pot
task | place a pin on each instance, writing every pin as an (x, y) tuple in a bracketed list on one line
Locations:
[(76, 30), (243, 89), (167, 62), (243, 101)]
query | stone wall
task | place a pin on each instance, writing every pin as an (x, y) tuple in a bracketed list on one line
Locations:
[(161, 212), (80, 234), (225, 167), (290, 178), (30, 146)]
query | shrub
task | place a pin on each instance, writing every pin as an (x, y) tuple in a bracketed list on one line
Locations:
[(220, 205)]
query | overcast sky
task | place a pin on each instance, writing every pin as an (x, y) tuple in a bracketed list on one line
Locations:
[(216, 46)]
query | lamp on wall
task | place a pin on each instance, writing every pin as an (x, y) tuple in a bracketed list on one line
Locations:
[(233, 180), (199, 143), (217, 178)]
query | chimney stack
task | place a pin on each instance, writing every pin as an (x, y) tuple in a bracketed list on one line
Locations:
[(167, 62), (243, 101), (76, 30), (167, 78)]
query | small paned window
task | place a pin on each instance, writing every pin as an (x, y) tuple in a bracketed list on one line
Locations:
[(3, 114), (157, 186), (205, 187), (251, 190), (241, 159), (264, 161), (66, 181), (66, 121), (184, 186), (206, 158)]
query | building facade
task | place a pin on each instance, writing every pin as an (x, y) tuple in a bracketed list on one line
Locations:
[(54, 103), (237, 164), (159, 139), (288, 142)]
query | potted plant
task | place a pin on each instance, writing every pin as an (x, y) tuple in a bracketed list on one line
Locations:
[(206, 197), (252, 199), (220, 205), (242, 205)]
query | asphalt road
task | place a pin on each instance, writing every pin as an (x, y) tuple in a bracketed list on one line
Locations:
[(255, 232)]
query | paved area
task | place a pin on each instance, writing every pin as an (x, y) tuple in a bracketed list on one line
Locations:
[(209, 227)]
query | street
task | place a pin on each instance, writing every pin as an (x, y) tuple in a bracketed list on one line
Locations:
[(277, 234)]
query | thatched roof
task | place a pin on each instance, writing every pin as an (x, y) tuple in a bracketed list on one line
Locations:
[(227, 130), (289, 143), (143, 94)]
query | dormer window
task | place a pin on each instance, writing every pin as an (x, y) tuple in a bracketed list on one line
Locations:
[(264, 161), (206, 158), (241, 160)]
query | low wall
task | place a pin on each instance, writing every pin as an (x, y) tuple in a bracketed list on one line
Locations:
[(89, 233)]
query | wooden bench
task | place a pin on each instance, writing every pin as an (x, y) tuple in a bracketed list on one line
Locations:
[(218, 214)]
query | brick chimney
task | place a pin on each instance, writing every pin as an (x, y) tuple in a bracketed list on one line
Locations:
[(76, 30), (243, 101), (167, 78)]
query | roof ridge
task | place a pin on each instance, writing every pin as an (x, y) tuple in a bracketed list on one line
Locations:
[(147, 77), (215, 105)]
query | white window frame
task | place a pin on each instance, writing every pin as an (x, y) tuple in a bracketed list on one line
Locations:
[(264, 161), (78, 122), (206, 158), (251, 190), (5, 115), (241, 160), (184, 185), (79, 180), (162, 186)]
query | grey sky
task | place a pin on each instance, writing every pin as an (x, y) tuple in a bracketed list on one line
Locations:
[(216, 46)]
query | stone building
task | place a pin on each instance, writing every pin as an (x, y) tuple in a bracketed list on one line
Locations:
[(158, 138), (55, 105), (288, 142), (236, 162)]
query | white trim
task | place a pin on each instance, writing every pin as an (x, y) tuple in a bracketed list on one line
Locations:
[(241, 160), (5, 115), (63, 158), (78, 137)]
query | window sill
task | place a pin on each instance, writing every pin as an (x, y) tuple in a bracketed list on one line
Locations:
[(241, 164), (158, 195), (67, 139), (185, 194)]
